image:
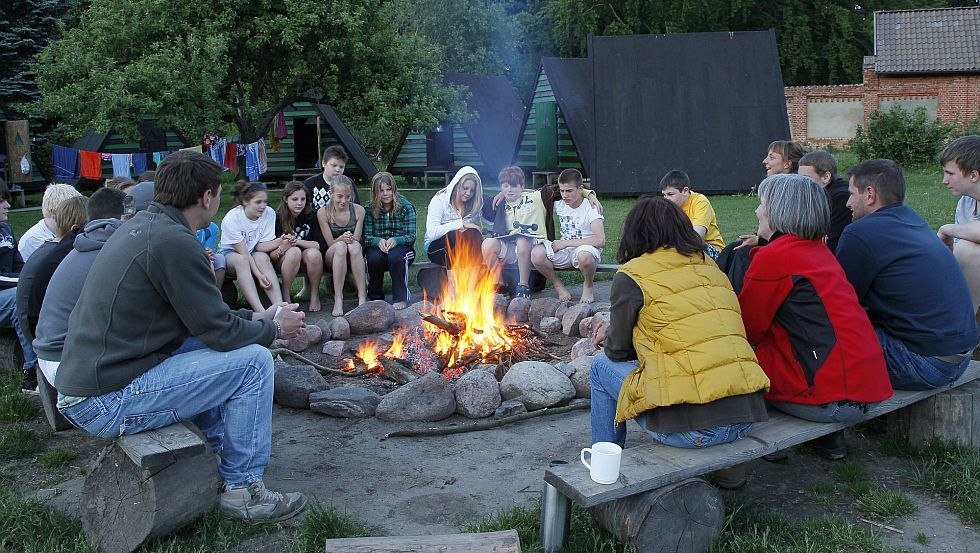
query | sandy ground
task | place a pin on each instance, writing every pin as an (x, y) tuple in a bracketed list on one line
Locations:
[(431, 485)]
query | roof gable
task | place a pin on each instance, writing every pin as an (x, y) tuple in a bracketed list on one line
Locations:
[(499, 114), (928, 41)]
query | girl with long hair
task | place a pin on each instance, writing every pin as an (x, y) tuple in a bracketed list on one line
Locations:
[(297, 223)]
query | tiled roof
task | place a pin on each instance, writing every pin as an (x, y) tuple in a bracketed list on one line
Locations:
[(928, 41)]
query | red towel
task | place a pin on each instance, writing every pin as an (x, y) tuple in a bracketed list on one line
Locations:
[(91, 165), (231, 156)]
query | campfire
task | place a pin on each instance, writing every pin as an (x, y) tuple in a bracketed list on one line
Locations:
[(460, 329)]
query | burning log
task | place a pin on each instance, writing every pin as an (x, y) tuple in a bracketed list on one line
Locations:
[(393, 370), (443, 324)]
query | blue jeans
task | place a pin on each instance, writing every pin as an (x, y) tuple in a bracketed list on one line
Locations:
[(606, 378), (227, 394), (8, 318), (911, 371)]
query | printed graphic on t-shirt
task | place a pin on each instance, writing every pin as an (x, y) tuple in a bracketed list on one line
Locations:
[(569, 229), (301, 231), (321, 196), (6, 242)]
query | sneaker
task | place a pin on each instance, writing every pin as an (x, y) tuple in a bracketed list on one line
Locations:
[(29, 383), (777, 457), (522, 291), (831, 447), (732, 478), (256, 503)]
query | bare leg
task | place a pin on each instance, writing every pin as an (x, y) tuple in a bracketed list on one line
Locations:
[(523, 249), (219, 277), (337, 257), (491, 252), (238, 267), (289, 268), (264, 264), (356, 254), (544, 266), (968, 256), (313, 262), (587, 264)]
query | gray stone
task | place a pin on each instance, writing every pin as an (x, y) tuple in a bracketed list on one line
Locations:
[(345, 402), (477, 394), (536, 384), (601, 307), (599, 318), (430, 398), (584, 327), (541, 308), (509, 408), (310, 335), (573, 316), (370, 317), (334, 348), (565, 368), (339, 329), (408, 318), (489, 368), (583, 347), (517, 310), (580, 378), (324, 325), (550, 325), (562, 308), (295, 383), (500, 304)]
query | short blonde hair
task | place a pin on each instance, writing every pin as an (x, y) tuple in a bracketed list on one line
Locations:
[(54, 196), (70, 214)]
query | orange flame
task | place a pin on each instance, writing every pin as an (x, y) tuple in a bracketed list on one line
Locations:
[(395, 350), (368, 353)]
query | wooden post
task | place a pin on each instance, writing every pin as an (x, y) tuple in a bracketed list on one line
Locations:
[(49, 401), (953, 415), (319, 144), (148, 485), (686, 517), (505, 541)]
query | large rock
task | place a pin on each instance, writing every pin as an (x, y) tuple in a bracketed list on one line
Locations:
[(500, 304), (295, 383), (580, 378), (541, 308), (324, 325), (346, 402), (477, 394), (573, 316), (509, 408), (517, 310), (562, 308), (430, 398), (536, 384), (583, 347), (370, 317), (339, 329), (550, 325)]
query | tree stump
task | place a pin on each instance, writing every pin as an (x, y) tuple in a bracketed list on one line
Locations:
[(148, 485), (49, 400), (953, 415), (686, 517)]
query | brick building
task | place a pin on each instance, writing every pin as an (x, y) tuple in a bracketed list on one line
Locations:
[(927, 58)]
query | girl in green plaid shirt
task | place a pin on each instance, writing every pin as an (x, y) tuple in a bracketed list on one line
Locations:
[(389, 239)]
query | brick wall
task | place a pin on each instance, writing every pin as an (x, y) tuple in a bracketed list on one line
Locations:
[(957, 98)]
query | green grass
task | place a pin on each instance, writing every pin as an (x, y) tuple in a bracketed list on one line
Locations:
[(322, 523), (19, 440), (56, 459), (871, 498), (30, 526), (921, 539), (584, 536)]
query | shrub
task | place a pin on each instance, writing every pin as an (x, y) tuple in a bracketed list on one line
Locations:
[(908, 138)]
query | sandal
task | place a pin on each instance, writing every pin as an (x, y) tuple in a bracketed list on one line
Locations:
[(522, 291)]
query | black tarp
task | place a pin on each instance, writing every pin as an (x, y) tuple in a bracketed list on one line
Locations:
[(706, 103), (571, 83), (347, 140), (497, 117)]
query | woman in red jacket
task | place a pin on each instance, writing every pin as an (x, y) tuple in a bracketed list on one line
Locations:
[(811, 335)]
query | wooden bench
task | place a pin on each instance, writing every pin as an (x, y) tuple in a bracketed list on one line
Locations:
[(601, 268), (504, 541), (660, 504), (148, 485)]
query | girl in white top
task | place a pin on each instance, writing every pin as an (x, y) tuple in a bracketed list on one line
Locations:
[(342, 224), (248, 233)]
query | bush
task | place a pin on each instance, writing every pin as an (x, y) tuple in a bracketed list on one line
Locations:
[(908, 138)]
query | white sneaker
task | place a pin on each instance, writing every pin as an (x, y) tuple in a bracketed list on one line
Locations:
[(256, 503)]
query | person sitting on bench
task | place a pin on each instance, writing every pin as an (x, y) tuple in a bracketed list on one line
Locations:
[(907, 280), (389, 240), (811, 335), (123, 372), (453, 220), (675, 356)]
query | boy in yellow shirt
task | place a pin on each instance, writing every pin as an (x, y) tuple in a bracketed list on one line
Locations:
[(676, 187)]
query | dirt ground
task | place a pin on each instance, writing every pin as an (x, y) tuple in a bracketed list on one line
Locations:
[(431, 485)]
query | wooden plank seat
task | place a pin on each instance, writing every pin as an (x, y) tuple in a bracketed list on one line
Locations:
[(656, 468)]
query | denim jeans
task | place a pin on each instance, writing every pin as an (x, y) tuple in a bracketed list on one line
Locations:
[(8, 318), (835, 411), (227, 394), (911, 371), (606, 378)]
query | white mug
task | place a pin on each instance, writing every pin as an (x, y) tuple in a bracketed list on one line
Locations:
[(603, 465)]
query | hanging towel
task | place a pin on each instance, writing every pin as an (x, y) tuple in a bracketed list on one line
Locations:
[(231, 156), (217, 150), (281, 131), (263, 160), (252, 161), (199, 149), (91, 165), (65, 162), (121, 164), (139, 164), (158, 157)]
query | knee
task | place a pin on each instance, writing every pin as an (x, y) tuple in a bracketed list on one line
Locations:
[(312, 257), (539, 256), (354, 248), (490, 246), (586, 260)]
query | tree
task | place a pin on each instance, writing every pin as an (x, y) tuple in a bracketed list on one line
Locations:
[(207, 66)]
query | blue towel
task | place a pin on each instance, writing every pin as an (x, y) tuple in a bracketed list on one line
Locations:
[(65, 162), (252, 161), (139, 164), (120, 165)]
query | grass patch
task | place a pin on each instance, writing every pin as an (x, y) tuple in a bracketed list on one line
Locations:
[(824, 493), (57, 458), (954, 472), (212, 533), (17, 407), (584, 535), (19, 440), (32, 527), (881, 502), (322, 523), (921, 539)]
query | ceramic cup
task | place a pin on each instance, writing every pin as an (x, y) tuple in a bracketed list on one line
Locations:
[(603, 463)]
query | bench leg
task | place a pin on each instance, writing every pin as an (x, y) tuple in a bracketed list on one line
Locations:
[(556, 512)]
